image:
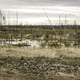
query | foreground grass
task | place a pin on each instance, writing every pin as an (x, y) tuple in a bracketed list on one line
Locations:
[(40, 68), (39, 64)]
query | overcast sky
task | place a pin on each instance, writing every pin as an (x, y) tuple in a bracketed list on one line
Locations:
[(40, 11), (16, 3)]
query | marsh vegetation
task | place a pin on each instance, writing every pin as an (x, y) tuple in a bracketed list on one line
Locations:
[(56, 56)]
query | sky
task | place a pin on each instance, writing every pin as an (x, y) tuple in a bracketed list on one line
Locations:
[(41, 11)]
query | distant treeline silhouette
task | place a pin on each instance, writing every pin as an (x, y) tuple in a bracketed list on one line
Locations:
[(13, 27)]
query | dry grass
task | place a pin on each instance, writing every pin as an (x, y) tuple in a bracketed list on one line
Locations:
[(35, 52), (10, 73), (27, 52)]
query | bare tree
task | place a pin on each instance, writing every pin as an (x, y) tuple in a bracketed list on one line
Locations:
[(1, 17)]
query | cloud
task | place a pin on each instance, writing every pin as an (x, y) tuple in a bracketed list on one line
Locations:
[(23, 3), (52, 2)]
